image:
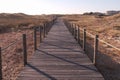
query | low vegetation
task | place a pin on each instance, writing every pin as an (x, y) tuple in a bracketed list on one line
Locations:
[(107, 27), (12, 26), (15, 22)]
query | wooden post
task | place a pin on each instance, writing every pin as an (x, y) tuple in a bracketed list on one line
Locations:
[(47, 28), (49, 24), (95, 48), (78, 35), (68, 26), (75, 32), (40, 31), (44, 30), (72, 29), (0, 64), (25, 49), (84, 39), (35, 40)]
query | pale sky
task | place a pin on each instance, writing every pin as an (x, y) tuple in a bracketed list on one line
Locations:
[(57, 6)]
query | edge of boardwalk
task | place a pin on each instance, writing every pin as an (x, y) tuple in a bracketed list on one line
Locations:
[(59, 57)]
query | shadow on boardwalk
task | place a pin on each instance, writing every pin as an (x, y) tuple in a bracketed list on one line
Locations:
[(65, 60), (60, 57), (41, 72)]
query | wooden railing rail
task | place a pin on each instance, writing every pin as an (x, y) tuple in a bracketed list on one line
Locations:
[(72, 28), (43, 30)]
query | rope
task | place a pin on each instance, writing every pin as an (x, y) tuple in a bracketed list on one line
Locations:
[(14, 42), (108, 44), (93, 36)]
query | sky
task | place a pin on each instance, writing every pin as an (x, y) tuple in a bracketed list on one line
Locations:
[(57, 6)]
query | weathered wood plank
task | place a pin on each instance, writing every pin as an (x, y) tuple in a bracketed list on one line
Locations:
[(59, 57)]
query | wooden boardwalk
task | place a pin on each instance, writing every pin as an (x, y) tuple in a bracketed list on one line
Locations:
[(59, 57)]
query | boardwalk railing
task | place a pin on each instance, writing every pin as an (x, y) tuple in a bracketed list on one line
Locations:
[(15, 55), (85, 39)]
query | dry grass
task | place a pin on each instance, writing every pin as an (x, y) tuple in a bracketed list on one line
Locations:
[(12, 26), (108, 28), (15, 22)]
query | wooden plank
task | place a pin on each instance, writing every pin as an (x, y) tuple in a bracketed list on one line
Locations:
[(59, 57)]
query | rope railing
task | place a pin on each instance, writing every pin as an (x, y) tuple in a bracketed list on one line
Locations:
[(93, 36), (12, 43), (109, 44), (43, 31), (72, 28)]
